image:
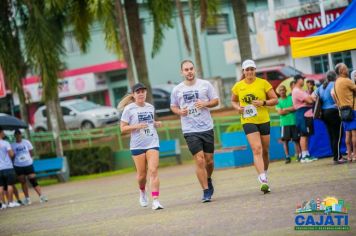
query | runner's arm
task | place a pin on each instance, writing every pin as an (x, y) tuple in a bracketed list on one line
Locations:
[(126, 128), (209, 104), (11, 153), (181, 112), (236, 104), (272, 98)]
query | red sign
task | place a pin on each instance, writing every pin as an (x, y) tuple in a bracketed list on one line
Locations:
[(2, 85), (302, 26)]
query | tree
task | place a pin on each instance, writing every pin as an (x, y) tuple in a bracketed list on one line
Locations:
[(134, 26), (242, 29), (12, 61)]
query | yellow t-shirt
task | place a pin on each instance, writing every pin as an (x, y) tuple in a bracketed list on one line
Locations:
[(257, 90)]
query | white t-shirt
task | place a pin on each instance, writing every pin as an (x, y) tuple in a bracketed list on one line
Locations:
[(197, 120), (22, 153), (143, 138), (5, 160)]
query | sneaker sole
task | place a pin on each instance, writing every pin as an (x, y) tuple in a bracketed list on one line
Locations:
[(205, 200), (158, 208)]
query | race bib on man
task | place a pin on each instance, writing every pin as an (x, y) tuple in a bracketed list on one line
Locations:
[(250, 111), (148, 131), (193, 111), (22, 158)]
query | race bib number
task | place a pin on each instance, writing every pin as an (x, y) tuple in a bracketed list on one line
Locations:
[(22, 158), (250, 111), (193, 111), (148, 131)]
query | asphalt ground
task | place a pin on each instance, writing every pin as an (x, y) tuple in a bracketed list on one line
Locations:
[(109, 205)]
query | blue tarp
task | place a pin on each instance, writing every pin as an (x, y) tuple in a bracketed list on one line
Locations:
[(346, 21), (319, 144)]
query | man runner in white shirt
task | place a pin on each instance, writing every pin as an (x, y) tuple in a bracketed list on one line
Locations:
[(191, 100)]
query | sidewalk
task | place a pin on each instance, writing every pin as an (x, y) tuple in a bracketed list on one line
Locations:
[(109, 206)]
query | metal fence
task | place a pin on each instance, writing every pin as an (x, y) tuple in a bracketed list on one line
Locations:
[(111, 136)]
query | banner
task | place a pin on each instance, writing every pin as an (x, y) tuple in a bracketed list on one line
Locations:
[(302, 26)]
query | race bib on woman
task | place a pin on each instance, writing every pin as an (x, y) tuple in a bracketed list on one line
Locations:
[(250, 111), (148, 131)]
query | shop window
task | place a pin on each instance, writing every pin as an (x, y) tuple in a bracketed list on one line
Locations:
[(221, 26), (320, 64)]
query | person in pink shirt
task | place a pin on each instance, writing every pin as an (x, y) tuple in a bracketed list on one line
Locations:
[(302, 103)]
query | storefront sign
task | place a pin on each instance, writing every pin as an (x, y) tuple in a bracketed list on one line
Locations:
[(302, 26), (69, 86)]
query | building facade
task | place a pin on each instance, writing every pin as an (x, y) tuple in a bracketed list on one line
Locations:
[(100, 76)]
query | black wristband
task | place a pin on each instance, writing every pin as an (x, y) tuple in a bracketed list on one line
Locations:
[(264, 103)]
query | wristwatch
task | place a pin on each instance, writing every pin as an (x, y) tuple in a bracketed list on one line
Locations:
[(264, 103)]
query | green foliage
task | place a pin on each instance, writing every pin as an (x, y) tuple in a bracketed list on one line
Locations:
[(11, 59), (104, 12), (43, 35), (81, 19), (87, 160), (162, 11)]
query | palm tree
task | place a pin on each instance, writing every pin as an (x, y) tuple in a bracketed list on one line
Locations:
[(242, 29), (12, 61)]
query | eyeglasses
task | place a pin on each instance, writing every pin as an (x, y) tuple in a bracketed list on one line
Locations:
[(250, 69)]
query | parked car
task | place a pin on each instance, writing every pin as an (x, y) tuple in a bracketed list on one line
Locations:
[(162, 98), (79, 114), (276, 74)]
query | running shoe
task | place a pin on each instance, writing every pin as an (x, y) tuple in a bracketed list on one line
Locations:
[(3, 206), (20, 202), (206, 196), (43, 199), (13, 204), (288, 160), (312, 158), (305, 160), (341, 161), (265, 188), (26, 201), (156, 205), (143, 199), (210, 187)]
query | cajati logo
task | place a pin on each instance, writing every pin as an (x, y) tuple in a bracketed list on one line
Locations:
[(327, 214)]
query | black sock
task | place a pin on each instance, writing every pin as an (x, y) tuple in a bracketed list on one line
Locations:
[(209, 179)]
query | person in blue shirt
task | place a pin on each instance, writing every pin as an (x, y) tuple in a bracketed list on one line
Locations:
[(330, 114)]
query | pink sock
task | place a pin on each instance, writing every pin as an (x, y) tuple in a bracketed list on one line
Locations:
[(142, 187), (155, 194)]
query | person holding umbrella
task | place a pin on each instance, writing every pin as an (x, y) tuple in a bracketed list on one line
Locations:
[(23, 165)]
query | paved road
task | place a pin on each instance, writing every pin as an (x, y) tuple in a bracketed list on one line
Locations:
[(109, 206)]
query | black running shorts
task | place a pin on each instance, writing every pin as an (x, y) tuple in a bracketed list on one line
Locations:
[(263, 129), (200, 141), (24, 170), (7, 177)]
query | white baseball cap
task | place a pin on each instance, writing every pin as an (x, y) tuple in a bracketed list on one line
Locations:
[(248, 63)]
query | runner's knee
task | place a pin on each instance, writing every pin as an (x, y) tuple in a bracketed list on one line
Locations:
[(257, 150), (33, 182)]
